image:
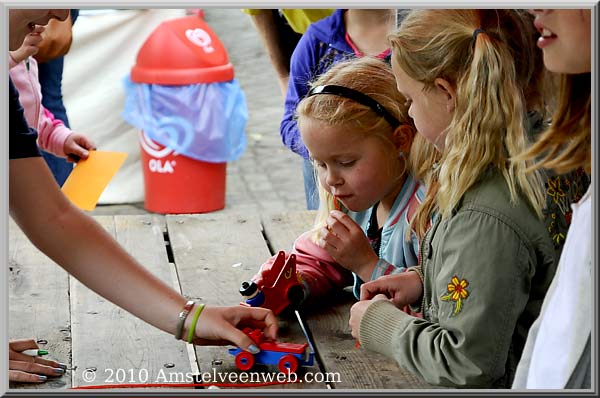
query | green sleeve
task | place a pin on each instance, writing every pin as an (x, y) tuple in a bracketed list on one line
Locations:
[(462, 344)]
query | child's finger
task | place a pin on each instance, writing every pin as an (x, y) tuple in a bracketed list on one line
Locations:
[(84, 141), (337, 228), (379, 297), (343, 219), (77, 151), (371, 289), (329, 240)]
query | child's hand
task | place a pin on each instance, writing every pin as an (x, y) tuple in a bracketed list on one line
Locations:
[(358, 310), (347, 243), (29, 46), (77, 146), (402, 289)]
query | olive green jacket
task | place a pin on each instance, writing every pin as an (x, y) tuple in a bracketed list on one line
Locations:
[(485, 271)]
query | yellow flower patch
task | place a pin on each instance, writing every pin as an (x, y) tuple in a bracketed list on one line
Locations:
[(457, 292)]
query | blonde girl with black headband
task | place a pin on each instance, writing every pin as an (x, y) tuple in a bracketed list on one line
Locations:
[(358, 133), (486, 259)]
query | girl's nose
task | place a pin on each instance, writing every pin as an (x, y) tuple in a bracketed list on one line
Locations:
[(333, 179)]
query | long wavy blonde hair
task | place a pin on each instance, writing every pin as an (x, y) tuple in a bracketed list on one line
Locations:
[(370, 76), (487, 127), (567, 144)]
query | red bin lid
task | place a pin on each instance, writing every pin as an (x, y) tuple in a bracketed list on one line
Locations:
[(182, 51)]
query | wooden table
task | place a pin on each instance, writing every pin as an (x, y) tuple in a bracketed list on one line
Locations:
[(205, 256)]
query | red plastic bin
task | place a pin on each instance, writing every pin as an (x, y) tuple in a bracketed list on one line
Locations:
[(181, 51)]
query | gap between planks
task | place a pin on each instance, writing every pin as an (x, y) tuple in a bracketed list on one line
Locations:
[(191, 352)]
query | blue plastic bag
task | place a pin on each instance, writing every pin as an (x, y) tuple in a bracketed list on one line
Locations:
[(202, 121)]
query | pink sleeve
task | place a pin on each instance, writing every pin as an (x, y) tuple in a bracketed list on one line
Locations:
[(321, 274), (52, 133)]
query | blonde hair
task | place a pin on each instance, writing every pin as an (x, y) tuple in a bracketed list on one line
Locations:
[(488, 121), (566, 145), (370, 76)]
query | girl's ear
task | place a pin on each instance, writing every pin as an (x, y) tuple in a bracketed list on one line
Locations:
[(403, 137), (448, 90)]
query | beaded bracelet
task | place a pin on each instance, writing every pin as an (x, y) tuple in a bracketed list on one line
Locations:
[(182, 317), (192, 331)]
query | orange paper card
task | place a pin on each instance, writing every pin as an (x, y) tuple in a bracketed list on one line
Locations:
[(89, 178)]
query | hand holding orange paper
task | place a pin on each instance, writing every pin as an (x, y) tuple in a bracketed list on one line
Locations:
[(89, 178)]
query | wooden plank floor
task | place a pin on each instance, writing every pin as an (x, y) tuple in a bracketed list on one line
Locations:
[(206, 257), (107, 338), (232, 247), (38, 303)]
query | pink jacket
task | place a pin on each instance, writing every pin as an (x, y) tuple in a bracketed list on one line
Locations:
[(52, 133), (320, 273)]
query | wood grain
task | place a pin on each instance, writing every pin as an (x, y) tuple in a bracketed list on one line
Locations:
[(214, 254), (107, 338), (38, 303)]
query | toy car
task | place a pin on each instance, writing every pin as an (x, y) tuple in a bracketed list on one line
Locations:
[(287, 356), (279, 287)]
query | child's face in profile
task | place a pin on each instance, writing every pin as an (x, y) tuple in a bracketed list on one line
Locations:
[(565, 39), (359, 169), (429, 109)]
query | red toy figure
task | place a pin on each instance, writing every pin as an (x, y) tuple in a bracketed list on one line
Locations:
[(287, 356), (279, 286)]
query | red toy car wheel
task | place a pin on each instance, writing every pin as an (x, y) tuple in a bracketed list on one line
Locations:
[(244, 361), (286, 362)]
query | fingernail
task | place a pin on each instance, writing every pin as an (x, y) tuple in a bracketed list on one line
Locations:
[(59, 371), (253, 349), (42, 378), (62, 366)]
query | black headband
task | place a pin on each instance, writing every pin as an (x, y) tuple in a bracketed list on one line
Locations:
[(358, 97)]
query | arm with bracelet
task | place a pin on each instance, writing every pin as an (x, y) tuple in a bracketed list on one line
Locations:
[(84, 249), (92, 256)]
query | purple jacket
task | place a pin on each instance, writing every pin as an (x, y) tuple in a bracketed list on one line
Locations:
[(320, 47)]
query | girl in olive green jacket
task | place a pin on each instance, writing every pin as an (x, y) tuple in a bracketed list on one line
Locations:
[(485, 260)]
